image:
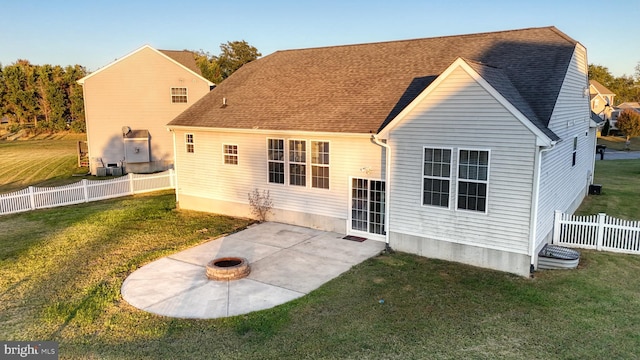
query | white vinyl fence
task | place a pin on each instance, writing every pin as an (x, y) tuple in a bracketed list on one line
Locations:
[(33, 198), (600, 232)]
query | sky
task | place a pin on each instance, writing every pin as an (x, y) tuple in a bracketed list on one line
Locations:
[(94, 33)]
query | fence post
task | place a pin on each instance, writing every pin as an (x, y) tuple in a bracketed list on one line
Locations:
[(85, 189), (601, 217), (556, 227), (32, 199), (130, 175)]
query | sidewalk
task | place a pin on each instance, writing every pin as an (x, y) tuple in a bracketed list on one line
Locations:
[(619, 155)]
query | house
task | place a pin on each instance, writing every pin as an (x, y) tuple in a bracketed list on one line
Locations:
[(128, 104), (458, 147), (601, 99)]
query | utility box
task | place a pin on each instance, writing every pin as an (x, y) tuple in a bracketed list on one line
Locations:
[(136, 146), (595, 189)]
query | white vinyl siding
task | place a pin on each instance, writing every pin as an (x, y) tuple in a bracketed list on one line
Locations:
[(233, 183), (459, 113), (562, 185)]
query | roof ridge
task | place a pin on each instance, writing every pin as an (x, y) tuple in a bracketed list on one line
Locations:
[(552, 28)]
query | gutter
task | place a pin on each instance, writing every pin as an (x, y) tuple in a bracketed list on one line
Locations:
[(533, 231), (387, 181)]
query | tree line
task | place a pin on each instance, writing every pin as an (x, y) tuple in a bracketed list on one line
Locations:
[(48, 98), (42, 97)]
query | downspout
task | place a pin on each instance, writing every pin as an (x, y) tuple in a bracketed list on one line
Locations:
[(175, 166), (387, 182), (534, 209)]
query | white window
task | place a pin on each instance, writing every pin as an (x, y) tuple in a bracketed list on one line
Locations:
[(320, 164), (298, 162), (189, 143), (436, 177), (178, 95), (230, 154), (275, 150), (473, 179)]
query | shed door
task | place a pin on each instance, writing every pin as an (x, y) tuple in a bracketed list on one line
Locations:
[(367, 208)]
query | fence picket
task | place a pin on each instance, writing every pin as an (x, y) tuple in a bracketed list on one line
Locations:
[(85, 190), (600, 232)]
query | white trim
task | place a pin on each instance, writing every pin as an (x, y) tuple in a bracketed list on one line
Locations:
[(460, 63), (486, 204), (450, 178), (311, 164), (81, 81), (305, 163), (171, 95)]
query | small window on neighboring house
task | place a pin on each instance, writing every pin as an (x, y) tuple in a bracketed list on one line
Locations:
[(298, 162), (230, 154), (436, 177), (473, 179), (189, 142), (275, 150), (320, 164), (575, 150), (179, 95)]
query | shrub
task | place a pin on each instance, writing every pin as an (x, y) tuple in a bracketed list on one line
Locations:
[(261, 204), (629, 123)]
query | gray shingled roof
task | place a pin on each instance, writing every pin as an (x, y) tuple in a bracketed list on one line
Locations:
[(185, 58), (360, 88)]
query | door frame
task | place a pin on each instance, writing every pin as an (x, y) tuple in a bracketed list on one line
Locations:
[(360, 233)]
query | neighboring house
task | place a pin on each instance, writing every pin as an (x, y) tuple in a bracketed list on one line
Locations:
[(620, 108), (128, 104), (601, 99), (457, 147)]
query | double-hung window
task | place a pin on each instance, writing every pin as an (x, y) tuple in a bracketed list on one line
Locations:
[(298, 162), (275, 148), (230, 154), (188, 139), (436, 178), (575, 151), (473, 179), (178, 95), (320, 164)]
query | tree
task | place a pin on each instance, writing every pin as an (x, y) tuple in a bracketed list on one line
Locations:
[(629, 124), (209, 67), (232, 56), (625, 87)]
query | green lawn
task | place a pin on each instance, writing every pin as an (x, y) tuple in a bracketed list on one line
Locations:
[(61, 271), (43, 161)]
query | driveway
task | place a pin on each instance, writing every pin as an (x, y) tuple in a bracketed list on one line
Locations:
[(286, 261)]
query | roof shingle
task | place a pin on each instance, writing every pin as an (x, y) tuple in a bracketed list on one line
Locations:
[(358, 88)]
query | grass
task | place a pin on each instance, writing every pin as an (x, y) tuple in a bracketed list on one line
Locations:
[(620, 196), (46, 160), (618, 142), (61, 271)]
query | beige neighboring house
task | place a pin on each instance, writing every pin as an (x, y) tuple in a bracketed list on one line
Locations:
[(601, 99), (128, 104)]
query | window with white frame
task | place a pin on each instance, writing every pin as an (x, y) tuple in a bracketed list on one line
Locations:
[(230, 154), (473, 177), (436, 177), (320, 164), (178, 95), (574, 152), (188, 140), (298, 162), (275, 149)]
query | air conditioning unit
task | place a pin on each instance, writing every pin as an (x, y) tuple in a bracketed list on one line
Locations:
[(116, 171), (101, 171)]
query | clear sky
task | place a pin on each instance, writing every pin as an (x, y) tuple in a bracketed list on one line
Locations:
[(93, 33)]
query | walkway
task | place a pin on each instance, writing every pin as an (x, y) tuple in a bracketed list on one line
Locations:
[(287, 262)]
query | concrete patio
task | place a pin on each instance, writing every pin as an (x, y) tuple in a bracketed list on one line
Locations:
[(286, 261)]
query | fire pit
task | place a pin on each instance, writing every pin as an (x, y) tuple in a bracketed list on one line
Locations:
[(228, 268)]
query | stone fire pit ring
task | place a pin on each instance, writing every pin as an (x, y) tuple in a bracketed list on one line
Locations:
[(228, 268)]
